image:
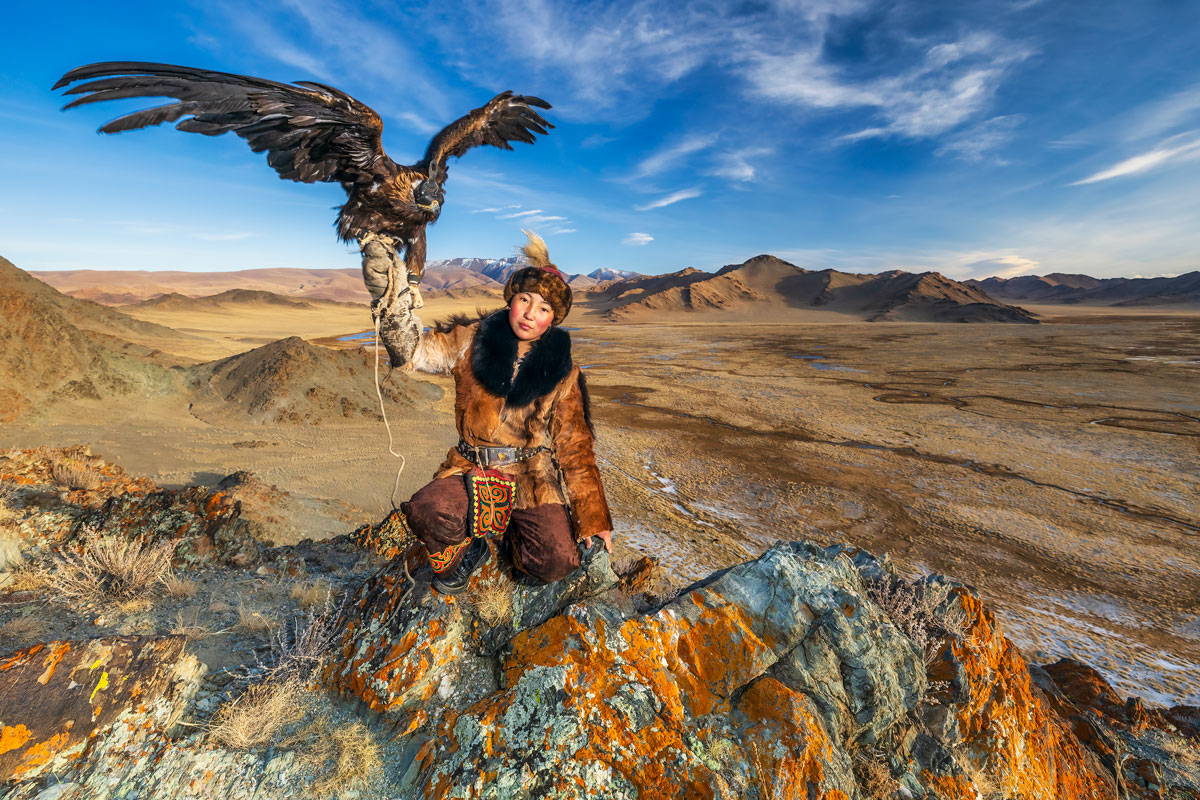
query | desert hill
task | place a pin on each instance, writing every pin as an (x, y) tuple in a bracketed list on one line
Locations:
[(57, 347), (292, 381), (1086, 290), (769, 281)]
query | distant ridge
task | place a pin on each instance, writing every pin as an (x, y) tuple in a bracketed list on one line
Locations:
[(1060, 288), (174, 301), (127, 287), (767, 280)]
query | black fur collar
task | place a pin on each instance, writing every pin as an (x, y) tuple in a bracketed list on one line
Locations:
[(495, 351)]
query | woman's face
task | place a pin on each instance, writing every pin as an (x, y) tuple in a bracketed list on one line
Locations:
[(529, 315)]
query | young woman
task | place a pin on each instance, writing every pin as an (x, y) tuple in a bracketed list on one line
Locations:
[(521, 408)]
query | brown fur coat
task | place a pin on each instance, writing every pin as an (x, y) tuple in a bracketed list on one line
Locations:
[(544, 404)]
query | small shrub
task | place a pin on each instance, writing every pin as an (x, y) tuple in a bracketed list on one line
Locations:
[(70, 475), (301, 647), (27, 578), (257, 715), (493, 603), (110, 569), (178, 587), (913, 608)]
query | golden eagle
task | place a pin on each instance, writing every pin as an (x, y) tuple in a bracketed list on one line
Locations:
[(313, 132)]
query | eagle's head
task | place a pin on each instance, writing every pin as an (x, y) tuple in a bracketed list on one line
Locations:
[(428, 194)]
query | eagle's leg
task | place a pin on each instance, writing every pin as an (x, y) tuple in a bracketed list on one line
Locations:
[(414, 262), (386, 278)]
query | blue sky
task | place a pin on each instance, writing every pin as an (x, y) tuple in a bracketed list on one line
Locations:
[(974, 139)]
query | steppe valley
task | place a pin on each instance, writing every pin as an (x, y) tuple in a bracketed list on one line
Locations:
[(1053, 466)]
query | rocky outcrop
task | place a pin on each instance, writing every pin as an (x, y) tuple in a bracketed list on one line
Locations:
[(781, 677), (58, 698), (808, 672)]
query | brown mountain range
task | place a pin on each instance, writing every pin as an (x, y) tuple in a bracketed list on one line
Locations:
[(769, 281), (121, 287), (1085, 290)]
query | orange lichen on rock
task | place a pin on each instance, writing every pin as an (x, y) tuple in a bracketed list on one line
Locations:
[(785, 741), (1006, 723), (52, 659), (13, 737)]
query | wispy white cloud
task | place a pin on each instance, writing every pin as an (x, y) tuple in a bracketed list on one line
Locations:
[(736, 166), (979, 142), (518, 214), (1185, 147), (668, 156), (948, 84), (493, 210), (671, 199), (638, 239), (596, 140), (558, 231), (541, 219), (1180, 109)]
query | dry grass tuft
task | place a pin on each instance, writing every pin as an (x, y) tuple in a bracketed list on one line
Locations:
[(23, 629), (1184, 751), (253, 620), (493, 604), (110, 569), (189, 625), (255, 717), (769, 787), (27, 578), (70, 475), (873, 774), (727, 756), (345, 756), (311, 594), (179, 587)]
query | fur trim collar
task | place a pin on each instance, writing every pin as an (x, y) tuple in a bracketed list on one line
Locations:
[(495, 351)]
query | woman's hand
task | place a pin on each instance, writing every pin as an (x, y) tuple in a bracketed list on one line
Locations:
[(605, 536)]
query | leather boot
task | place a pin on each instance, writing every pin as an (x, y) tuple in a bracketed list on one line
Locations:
[(455, 579)]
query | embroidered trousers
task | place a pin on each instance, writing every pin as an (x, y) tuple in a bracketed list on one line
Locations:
[(539, 539)]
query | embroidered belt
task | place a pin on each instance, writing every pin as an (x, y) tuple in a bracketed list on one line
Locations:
[(488, 457)]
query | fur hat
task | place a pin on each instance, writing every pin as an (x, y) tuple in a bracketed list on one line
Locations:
[(542, 277)]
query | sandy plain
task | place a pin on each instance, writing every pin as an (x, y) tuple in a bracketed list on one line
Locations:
[(1053, 467)]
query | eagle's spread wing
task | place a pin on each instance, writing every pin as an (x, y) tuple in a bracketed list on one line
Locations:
[(506, 118), (311, 132)]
